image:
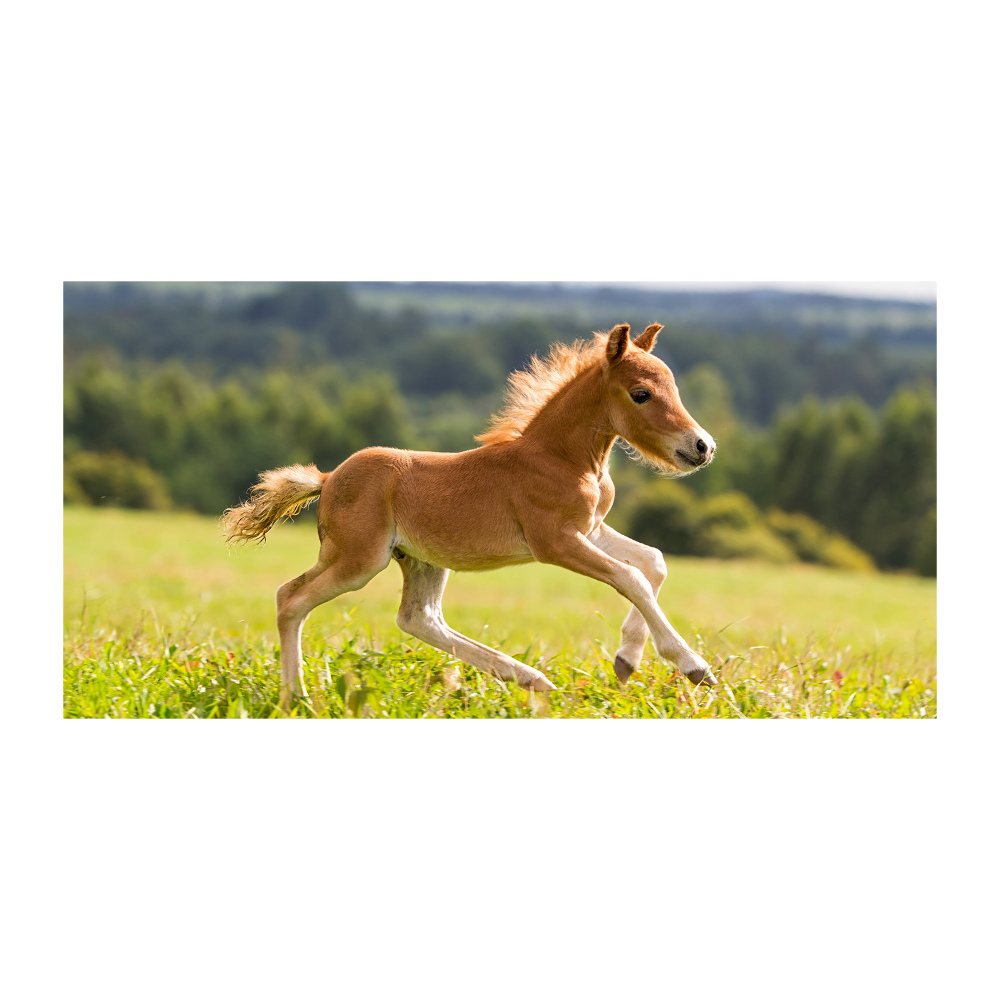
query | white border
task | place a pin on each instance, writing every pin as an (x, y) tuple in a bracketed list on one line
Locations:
[(223, 141)]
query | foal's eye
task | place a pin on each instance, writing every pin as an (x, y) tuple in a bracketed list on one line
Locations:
[(641, 395)]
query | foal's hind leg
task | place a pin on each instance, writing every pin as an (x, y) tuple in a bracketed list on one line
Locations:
[(334, 574), (420, 615), (650, 563)]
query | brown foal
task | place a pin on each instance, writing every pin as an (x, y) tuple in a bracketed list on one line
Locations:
[(537, 489)]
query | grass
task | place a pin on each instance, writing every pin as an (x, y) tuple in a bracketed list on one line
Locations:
[(161, 621)]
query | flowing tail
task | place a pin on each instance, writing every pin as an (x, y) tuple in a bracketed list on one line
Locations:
[(277, 493)]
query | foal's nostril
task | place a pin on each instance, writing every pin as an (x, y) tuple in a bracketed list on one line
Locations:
[(701, 446)]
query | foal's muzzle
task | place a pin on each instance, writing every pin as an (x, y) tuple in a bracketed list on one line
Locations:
[(698, 449)]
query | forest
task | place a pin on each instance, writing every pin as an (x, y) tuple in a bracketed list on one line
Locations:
[(824, 410)]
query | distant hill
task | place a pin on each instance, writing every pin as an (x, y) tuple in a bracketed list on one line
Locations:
[(86, 296), (594, 306), (830, 317)]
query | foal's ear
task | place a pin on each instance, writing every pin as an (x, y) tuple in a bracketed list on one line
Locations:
[(647, 339), (617, 343)]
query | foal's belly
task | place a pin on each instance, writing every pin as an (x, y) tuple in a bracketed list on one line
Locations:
[(467, 559)]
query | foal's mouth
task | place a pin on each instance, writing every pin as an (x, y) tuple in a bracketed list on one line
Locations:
[(693, 461)]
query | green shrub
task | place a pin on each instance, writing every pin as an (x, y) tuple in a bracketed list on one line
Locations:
[(72, 493), (722, 541), (730, 510), (675, 520), (811, 542), (801, 532), (839, 553), (110, 479), (664, 514)]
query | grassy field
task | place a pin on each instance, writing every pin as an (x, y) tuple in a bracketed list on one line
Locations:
[(161, 621)]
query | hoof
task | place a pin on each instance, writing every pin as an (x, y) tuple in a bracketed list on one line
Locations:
[(700, 676), (623, 669), (540, 683)]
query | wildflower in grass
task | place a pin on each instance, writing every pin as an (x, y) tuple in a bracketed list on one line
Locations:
[(839, 678)]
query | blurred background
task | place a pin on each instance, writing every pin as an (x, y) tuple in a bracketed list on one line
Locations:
[(821, 398)]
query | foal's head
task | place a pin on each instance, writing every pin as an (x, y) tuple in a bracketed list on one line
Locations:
[(646, 409)]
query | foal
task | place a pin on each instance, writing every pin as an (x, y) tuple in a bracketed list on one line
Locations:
[(537, 489)]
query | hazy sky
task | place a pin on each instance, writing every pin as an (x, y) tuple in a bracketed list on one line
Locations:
[(917, 291)]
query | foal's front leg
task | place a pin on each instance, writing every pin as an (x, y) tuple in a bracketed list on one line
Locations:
[(574, 551), (649, 562)]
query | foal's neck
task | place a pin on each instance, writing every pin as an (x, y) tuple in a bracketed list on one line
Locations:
[(574, 425)]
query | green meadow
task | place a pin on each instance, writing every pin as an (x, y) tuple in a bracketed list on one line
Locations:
[(161, 621)]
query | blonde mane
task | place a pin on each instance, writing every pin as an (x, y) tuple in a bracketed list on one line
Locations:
[(530, 389)]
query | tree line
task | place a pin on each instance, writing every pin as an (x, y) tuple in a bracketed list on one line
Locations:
[(202, 442), (302, 325)]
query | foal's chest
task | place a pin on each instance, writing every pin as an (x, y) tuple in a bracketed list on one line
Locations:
[(605, 498)]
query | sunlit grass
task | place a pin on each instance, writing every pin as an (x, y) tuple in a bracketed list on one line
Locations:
[(160, 621)]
